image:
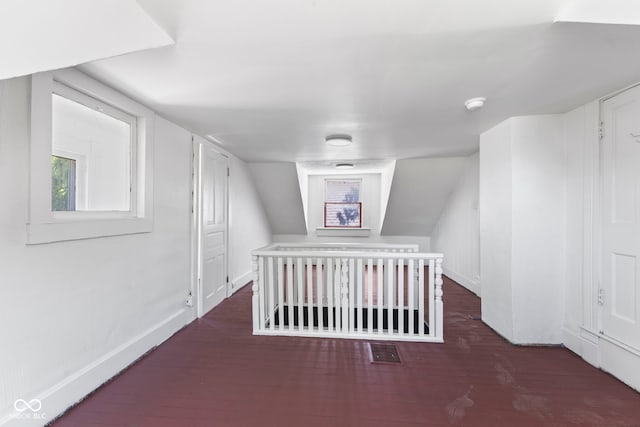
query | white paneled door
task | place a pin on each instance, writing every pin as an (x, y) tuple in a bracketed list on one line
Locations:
[(212, 225), (620, 295)]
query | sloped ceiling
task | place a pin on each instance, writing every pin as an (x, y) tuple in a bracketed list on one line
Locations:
[(419, 191), (277, 184), (38, 35), (270, 79)]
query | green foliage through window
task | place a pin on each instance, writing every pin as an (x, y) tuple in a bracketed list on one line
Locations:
[(63, 184)]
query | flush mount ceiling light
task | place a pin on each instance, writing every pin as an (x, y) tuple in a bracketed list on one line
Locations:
[(338, 140), (213, 139), (344, 165), (474, 103)]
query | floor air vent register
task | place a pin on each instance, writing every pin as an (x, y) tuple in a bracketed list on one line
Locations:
[(384, 353)]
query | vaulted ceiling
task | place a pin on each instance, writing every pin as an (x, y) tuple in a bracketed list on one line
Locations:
[(270, 79)]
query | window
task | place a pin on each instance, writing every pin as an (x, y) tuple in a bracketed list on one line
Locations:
[(91, 168), (104, 138), (342, 205)]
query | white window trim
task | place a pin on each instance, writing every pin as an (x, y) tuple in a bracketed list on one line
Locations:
[(343, 232), (43, 225)]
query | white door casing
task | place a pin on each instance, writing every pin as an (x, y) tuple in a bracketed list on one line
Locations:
[(620, 298), (212, 189)]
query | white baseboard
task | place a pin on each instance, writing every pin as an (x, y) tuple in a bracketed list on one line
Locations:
[(620, 362), (240, 281), (583, 343), (590, 349), (463, 280), (571, 340), (72, 389), (603, 352)]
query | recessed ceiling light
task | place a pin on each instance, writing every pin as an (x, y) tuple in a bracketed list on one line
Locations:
[(344, 165), (338, 140), (474, 103)]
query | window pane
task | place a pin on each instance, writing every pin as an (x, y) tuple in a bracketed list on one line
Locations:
[(342, 207), (63, 184), (343, 191), (101, 146), (342, 215)]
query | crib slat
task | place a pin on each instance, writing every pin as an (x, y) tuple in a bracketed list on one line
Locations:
[(300, 283), (360, 286), (280, 291), (421, 330), (432, 286), (336, 295), (370, 286), (390, 295), (309, 293), (410, 291), (319, 286), (351, 296), (261, 286), (329, 275), (380, 296), (290, 297), (401, 296), (271, 303)]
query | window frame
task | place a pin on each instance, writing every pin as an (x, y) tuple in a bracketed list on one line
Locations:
[(359, 203), (44, 225)]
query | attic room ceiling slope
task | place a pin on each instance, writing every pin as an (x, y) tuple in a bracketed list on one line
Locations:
[(270, 80), (624, 12), (277, 184), (45, 35), (419, 191)]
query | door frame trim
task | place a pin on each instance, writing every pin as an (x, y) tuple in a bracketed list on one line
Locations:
[(196, 223), (599, 217)]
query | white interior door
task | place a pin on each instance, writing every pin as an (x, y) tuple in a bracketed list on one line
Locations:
[(621, 219), (212, 285)]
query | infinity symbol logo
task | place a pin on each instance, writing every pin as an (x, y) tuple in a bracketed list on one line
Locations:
[(21, 405)]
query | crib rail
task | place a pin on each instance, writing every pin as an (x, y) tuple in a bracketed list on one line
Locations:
[(336, 291)]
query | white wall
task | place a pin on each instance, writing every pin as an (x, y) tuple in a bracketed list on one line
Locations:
[(93, 304), (550, 216), (522, 204), (424, 243), (457, 234), (574, 125), (495, 228), (419, 191), (581, 138), (277, 185), (75, 313), (248, 224), (538, 221)]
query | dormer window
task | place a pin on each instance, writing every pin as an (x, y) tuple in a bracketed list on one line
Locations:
[(342, 204)]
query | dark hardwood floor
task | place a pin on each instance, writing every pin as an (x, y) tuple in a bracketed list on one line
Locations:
[(215, 373)]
